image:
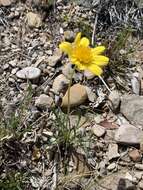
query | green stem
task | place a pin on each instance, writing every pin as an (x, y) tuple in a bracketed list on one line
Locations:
[(69, 87)]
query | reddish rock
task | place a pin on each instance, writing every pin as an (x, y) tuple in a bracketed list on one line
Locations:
[(135, 155)]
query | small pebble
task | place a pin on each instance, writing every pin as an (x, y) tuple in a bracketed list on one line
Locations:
[(139, 166), (140, 184), (111, 166), (98, 130), (44, 101)]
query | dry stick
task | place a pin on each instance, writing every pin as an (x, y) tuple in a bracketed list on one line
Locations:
[(92, 43), (94, 30), (105, 84), (55, 174)]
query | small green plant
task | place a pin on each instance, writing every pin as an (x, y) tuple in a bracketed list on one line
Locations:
[(14, 122), (118, 52), (12, 181), (67, 136)]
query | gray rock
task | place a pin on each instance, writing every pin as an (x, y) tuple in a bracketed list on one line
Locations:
[(33, 20), (114, 98), (13, 63), (91, 95), (67, 70), (112, 151), (44, 101), (6, 66), (138, 175), (29, 73), (132, 108), (69, 35), (128, 134), (53, 59), (59, 83), (98, 130), (14, 71)]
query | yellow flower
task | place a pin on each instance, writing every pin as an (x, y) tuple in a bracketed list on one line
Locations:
[(85, 57)]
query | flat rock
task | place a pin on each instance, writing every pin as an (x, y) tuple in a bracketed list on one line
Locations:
[(112, 151), (60, 82), (44, 101), (98, 130), (132, 108), (29, 73), (33, 20), (128, 134), (78, 96)]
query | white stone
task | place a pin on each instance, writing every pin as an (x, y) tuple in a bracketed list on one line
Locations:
[(111, 166), (29, 73)]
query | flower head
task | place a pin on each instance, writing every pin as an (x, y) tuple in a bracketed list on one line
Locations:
[(85, 57)]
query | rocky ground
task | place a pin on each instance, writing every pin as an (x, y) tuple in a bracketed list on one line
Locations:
[(104, 146)]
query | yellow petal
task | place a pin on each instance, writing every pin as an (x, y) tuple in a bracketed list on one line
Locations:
[(77, 38), (98, 50), (66, 47), (101, 60), (84, 42), (95, 69), (79, 65)]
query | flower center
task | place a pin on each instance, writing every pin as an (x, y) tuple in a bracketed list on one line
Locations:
[(82, 54)]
